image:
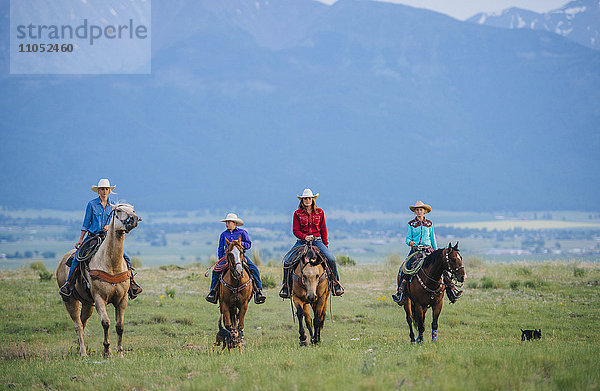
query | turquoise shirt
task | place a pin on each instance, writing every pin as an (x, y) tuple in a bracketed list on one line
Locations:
[(421, 233)]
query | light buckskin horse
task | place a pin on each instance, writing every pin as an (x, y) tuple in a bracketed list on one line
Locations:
[(108, 277), (310, 289), (426, 289), (236, 288)]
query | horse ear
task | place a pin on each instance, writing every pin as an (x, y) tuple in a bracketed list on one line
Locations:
[(449, 246), (456, 247)]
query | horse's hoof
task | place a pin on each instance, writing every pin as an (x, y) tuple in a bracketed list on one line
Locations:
[(303, 343)]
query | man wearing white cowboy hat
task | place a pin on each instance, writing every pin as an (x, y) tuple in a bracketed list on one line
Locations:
[(232, 222), (97, 218), (420, 237), (309, 226)]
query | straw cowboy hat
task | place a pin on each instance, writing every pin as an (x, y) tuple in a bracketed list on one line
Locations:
[(103, 183), (419, 204), (307, 193), (233, 217)]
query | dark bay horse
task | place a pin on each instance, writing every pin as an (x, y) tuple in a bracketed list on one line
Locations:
[(236, 288), (310, 289), (426, 289)]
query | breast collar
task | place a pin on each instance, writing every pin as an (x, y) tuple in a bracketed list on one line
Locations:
[(416, 223)]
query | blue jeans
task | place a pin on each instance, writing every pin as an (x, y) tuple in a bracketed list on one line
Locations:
[(75, 262), (324, 250), (253, 270)]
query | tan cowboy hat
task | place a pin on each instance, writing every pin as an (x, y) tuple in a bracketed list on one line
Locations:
[(307, 193), (419, 204), (103, 183), (233, 217)]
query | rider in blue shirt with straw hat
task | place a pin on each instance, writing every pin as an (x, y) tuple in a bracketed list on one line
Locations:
[(97, 218)]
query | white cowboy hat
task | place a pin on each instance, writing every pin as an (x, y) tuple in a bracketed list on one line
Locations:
[(419, 204), (307, 193), (233, 217), (103, 183)]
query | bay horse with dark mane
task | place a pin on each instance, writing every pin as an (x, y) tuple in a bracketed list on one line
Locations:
[(426, 288), (236, 288), (310, 289)]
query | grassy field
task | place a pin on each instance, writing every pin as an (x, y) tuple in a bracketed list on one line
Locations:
[(168, 339)]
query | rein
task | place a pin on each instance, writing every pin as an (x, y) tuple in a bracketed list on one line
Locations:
[(441, 286), (235, 290)]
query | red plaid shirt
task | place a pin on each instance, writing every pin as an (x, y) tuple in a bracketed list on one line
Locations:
[(310, 224)]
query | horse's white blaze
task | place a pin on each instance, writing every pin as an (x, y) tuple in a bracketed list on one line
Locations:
[(238, 260)]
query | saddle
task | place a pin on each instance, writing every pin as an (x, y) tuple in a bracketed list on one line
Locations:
[(297, 255)]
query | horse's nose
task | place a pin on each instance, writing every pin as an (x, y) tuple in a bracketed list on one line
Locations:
[(311, 298)]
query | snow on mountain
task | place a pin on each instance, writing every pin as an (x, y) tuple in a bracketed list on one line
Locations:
[(578, 20)]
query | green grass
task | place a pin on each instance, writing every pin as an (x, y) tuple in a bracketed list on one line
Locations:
[(168, 340)]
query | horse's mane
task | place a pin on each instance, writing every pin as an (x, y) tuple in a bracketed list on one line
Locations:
[(432, 257)]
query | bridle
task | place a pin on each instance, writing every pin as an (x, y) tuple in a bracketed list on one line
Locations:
[(129, 221), (234, 274), (447, 269), (298, 278)]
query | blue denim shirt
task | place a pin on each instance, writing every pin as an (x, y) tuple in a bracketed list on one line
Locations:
[(233, 235), (421, 234), (96, 216)]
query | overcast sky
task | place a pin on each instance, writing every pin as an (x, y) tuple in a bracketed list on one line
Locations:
[(463, 9)]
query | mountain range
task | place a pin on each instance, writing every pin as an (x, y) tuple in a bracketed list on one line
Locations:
[(370, 104), (578, 20)]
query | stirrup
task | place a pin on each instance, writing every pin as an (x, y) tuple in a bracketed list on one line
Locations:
[(212, 296), (65, 291), (338, 289), (284, 293), (259, 297)]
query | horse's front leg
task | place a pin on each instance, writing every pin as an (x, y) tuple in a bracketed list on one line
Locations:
[(420, 318), (409, 318), (308, 320), (241, 316), (119, 318), (101, 309), (300, 316), (437, 310), (319, 321), (73, 309)]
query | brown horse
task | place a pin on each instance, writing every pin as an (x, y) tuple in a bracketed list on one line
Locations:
[(426, 289), (108, 279), (236, 288), (310, 288)]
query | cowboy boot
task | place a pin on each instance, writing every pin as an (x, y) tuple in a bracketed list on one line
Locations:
[(284, 293), (67, 289), (134, 288), (338, 289), (399, 296), (259, 297), (212, 296)]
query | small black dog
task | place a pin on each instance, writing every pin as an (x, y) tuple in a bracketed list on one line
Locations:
[(531, 334), (229, 339)]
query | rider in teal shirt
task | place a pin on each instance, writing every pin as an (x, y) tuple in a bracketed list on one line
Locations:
[(419, 235)]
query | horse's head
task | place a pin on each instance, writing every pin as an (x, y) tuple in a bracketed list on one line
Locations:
[(124, 218), (235, 257), (312, 272), (454, 262)]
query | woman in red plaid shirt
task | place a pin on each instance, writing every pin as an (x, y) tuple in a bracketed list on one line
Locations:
[(309, 226)]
